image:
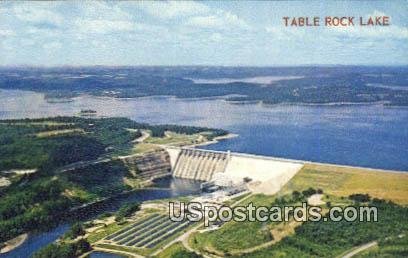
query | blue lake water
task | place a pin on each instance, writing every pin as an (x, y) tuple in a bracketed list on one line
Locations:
[(360, 135)]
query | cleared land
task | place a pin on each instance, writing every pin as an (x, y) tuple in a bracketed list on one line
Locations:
[(150, 143), (13, 243), (344, 181), (60, 132), (396, 246), (176, 250)]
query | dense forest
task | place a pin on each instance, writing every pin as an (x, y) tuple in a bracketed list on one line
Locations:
[(312, 85), (64, 250), (331, 239), (38, 200), (25, 143)]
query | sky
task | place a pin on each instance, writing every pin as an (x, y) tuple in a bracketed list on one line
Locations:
[(229, 33)]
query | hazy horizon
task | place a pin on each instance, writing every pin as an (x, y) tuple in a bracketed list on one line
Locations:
[(197, 65)]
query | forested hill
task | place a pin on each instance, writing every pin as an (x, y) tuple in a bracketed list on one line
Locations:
[(32, 150), (57, 141), (310, 85)]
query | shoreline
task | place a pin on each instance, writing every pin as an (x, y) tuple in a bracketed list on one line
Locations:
[(13, 243), (220, 97), (213, 141)]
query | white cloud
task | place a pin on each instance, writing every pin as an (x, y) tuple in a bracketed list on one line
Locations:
[(103, 26), (172, 9), (98, 10), (220, 20), (98, 44), (6, 33), (356, 32), (104, 18), (285, 33), (40, 32), (27, 42), (52, 45), (376, 13), (216, 37), (371, 32), (206, 21), (389, 32), (38, 13)]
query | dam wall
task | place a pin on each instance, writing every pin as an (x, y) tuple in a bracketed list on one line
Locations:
[(173, 154), (150, 165), (199, 164), (267, 174)]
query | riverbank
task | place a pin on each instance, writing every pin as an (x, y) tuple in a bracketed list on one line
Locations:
[(12, 244)]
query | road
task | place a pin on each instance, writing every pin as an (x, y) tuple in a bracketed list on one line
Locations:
[(81, 164), (143, 137), (360, 249), (128, 254)]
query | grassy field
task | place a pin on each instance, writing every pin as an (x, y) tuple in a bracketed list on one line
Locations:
[(176, 250), (396, 246), (231, 237), (170, 138), (342, 181), (107, 230), (178, 139), (60, 132), (144, 147), (136, 251)]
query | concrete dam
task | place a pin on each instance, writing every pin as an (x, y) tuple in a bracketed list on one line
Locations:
[(199, 165), (267, 174)]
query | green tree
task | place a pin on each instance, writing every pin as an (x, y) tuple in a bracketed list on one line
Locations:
[(77, 229), (127, 210)]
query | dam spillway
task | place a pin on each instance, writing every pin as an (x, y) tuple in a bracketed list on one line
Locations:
[(199, 164)]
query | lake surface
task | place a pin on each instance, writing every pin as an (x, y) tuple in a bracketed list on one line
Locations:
[(359, 135)]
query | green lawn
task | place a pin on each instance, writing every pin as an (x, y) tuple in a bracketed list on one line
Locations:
[(341, 181), (176, 250), (109, 229), (396, 246)]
